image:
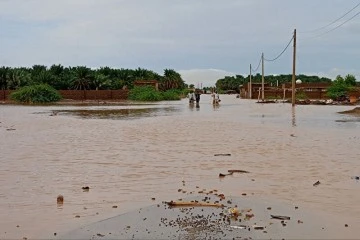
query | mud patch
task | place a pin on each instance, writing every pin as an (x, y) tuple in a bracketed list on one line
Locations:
[(354, 112)]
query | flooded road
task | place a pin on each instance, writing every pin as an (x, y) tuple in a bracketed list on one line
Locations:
[(130, 156)]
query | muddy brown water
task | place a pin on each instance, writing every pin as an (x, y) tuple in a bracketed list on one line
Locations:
[(131, 156)]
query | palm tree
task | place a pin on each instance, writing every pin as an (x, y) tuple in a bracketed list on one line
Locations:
[(171, 80), (81, 78), (18, 77), (4, 77)]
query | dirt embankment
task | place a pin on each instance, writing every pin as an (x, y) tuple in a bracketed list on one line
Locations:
[(354, 112)]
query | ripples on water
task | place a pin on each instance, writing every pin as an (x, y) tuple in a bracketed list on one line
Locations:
[(129, 154)]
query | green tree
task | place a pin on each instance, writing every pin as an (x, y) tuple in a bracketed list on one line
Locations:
[(82, 76)]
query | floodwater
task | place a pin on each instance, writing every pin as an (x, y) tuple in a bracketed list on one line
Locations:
[(128, 155)]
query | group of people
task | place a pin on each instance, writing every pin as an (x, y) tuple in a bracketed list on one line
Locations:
[(194, 96)]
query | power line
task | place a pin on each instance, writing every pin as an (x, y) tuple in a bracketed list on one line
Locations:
[(271, 60), (254, 70), (331, 23), (338, 26)]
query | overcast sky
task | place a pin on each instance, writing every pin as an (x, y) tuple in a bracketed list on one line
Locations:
[(202, 39)]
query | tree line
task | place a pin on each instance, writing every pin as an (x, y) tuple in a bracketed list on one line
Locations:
[(85, 78), (233, 82)]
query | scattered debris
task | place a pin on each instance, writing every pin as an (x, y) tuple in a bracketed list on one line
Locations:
[(114, 206), (193, 204), (316, 184), (269, 208), (256, 227), (54, 234), (222, 154), (346, 225), (100, 235), (10, 129), (237, 171), (299, 221), (234, 212), (86, 189), (153, 199), (77, 216), (356, 177), (223, 175), (60, 199), (239, 227), (280, 217)]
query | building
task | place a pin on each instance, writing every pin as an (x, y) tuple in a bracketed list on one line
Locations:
[(153, 83)]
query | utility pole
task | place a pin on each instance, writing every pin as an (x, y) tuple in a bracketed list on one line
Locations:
[(250, 87), (262, 78), (293, 73)]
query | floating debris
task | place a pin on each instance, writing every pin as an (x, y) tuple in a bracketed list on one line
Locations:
[(280, 217), (223, 175), (316, 184), (60, 199), (222, 154), (237, 171), (193, 204), (256, 227), (239, 227)]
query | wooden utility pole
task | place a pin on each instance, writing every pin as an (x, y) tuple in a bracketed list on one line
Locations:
[(250, 86), (262, 78), (293, 73)]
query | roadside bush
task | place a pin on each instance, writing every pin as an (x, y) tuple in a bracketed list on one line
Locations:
[(41, 93), (145, 93), (172, 95), (148, 93), (301, 95)]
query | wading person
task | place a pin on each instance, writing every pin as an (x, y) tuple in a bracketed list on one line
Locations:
[(191, 97), (197, 96)]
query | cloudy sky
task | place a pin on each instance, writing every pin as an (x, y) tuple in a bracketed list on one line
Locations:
[(202, 39)]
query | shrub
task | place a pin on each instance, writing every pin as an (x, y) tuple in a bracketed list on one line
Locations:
[(41, 93), (172, 95), (149, 93), (301, 95), (145, 93)]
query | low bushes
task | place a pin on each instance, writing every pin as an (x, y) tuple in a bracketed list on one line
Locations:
[(41, 93), (149, 93)]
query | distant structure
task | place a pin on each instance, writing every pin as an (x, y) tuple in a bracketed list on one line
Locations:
[(312, 90), (153, 83)]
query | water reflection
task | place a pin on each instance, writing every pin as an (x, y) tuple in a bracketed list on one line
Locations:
[(197, 106), (129, 113), (191, 106), (293, 116)]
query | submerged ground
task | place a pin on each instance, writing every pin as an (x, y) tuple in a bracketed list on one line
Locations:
[(128, 155)]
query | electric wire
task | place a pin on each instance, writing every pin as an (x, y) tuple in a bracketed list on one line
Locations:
[(331, 23), (254, 70), (274, 59), (333, 29)]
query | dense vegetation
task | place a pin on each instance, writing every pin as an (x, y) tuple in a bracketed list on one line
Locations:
[(148, 93), (233, 82), (41, 93), (341, 86), (84, 78)]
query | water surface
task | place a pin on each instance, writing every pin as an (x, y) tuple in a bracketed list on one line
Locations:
[(147, 151)]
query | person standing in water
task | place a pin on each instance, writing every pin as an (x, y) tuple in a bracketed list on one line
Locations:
[(191, 97), (197, 96)]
